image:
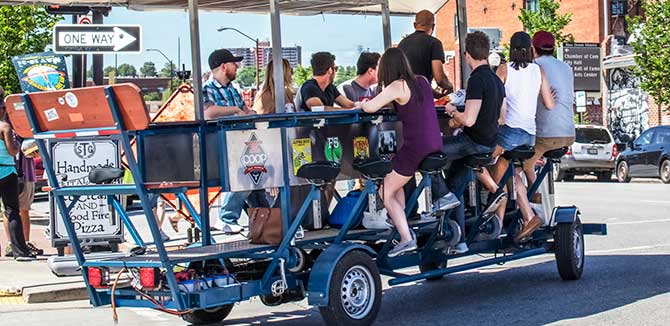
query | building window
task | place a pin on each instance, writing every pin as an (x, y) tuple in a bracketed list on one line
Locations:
[(531, 5), (618, 7)]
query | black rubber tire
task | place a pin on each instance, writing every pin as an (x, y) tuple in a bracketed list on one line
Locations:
[(568, 177), (622, 172), (335, 313), (569, 251), (664, 171), (431, 266), (605, 176), (208, 316), (558, 174)]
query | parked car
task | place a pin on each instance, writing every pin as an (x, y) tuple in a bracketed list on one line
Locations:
[(594, 152), (646, 157)]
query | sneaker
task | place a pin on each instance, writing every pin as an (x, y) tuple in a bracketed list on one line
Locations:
[(25, 258), (402, 248), (460, 248), (164, 236), (34, 250), (447, 202), (231, 228), (495, 204), (8, 250)]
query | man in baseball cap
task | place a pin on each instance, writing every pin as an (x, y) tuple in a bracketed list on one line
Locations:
[(221, 98), (555, 127)]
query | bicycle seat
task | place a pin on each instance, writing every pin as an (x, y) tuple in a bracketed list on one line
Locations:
[(105, 175), (319, 172), (520, 153), (433, 162), (373, 168), (478, 160), (556, 153)]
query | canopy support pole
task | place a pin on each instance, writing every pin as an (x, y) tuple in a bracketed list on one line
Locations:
[(199, 116), (275, 24), (386, 24), (461, 10)]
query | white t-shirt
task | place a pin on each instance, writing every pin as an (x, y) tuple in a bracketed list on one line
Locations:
[(522, 89)]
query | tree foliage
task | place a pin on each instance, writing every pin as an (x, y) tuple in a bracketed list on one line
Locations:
[(108, 70), (301, 75), (148, 69), (246, 76), (547, 18), (127, 70), (344, 74), (23, 30), (652, 51), (166, 71)]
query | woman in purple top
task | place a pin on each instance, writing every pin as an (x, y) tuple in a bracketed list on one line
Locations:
[(412, 98)]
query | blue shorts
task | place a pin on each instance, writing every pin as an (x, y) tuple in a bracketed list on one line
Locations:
[(510, 138)]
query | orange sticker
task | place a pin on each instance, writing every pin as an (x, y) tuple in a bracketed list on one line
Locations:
[(76, 117)]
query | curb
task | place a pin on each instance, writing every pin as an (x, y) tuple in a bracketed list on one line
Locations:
[(55, 293)]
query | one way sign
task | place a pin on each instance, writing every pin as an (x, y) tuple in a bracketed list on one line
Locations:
[(97, 38)]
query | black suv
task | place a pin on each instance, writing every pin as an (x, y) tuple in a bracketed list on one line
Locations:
[(646, 157)]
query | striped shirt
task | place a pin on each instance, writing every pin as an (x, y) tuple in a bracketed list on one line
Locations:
[(215, 93)]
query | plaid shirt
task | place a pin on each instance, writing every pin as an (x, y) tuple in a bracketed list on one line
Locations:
[(215, 93)]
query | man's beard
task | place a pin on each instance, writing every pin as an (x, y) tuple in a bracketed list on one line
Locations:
[(231, 75)]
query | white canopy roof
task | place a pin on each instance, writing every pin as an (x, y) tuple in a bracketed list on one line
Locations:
[(296, 7)]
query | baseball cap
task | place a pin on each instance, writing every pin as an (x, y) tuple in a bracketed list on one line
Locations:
[(221, 56), (544, 40)]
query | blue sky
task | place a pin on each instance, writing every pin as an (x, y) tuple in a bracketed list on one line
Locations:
[(339, 34)]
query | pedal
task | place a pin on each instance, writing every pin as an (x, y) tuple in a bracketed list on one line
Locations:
[(495, 204), (279, 286)]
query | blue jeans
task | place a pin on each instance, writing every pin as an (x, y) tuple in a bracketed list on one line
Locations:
[(458, 175), (233, 203), (510, 138)]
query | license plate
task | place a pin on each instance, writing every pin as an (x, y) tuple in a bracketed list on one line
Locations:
[(592, 151)]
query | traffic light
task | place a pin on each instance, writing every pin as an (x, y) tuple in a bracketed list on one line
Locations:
[(68, 10)]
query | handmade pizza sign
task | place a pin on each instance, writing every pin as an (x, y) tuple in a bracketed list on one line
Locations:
[(91, 215)]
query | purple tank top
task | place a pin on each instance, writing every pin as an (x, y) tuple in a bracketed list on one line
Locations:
[(420, 129)]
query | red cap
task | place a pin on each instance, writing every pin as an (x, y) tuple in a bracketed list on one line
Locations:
[(544, 40)]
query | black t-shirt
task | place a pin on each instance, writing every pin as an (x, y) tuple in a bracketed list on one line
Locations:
[(311, 89), (421, 49), (486, 86)]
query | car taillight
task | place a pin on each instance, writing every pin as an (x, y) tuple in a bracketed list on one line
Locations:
[(615, 151), (149, 277), (98, 277), (569, 152)]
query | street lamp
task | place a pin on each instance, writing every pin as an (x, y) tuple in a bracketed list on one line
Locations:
[(168, 60), (256, 52)]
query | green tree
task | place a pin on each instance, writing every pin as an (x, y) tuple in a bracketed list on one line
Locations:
[(153, 96), (23, 30), (652, 53), (127, 70), (166, 71), (547, 18), (246, 76), (148, 69), (301, 75), (108, 70), (344, 74)]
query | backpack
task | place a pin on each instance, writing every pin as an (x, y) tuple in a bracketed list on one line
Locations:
[(344, 208)]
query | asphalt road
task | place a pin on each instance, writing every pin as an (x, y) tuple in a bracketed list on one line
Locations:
[(626, 280)]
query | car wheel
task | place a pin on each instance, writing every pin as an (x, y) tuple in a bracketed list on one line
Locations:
[(665, 171), (604, 176), (622, 172), (568, 177)]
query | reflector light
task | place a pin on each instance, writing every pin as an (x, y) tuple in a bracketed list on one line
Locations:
[(98, 277), (149, 277)]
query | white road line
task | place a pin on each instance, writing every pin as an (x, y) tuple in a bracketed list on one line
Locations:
[(639, 222), (665, 202), (592, 252)]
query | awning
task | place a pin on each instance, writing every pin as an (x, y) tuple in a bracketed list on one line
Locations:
[(294, 7)]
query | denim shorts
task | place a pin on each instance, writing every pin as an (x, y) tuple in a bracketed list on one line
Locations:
[(510, 138)]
